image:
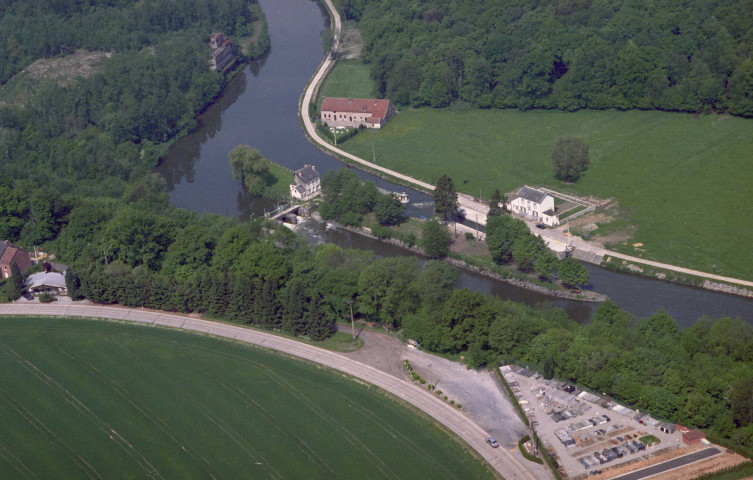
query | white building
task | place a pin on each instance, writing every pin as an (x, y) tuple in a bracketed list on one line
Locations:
[(307, 183), (536, 205)]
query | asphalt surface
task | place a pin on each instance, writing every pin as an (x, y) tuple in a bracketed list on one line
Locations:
[(453, 419), (670, 464)]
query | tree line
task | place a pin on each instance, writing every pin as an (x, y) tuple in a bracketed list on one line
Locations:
[(564, 55)]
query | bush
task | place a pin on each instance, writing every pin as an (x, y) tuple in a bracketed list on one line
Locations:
[(525, 453), (47, 298), (469, 236), (452, 402), (421, 381)]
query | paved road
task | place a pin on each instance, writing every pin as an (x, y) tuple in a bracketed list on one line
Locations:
[(670, 464), (453, 419)]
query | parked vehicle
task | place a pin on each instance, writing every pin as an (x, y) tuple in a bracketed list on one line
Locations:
[(492, 442)]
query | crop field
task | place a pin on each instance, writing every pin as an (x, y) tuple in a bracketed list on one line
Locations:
[(96, 399), (684, 181)]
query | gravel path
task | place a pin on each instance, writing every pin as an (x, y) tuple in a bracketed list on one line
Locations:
[(502, 460)]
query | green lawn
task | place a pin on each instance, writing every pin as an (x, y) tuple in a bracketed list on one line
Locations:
[(685, 180), (350, 78), (283, 177), (95, 399)]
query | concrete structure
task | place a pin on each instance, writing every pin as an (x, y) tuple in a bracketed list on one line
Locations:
[(49, 282), (354, 112), (535, 204), (222, 52), (307, 183), (9, 255)]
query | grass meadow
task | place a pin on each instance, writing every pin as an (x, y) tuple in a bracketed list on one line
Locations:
[(97, 399), (684, 182)]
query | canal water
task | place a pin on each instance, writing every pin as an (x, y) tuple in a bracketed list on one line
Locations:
[(259, 108)]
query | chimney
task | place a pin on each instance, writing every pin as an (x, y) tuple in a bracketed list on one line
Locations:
[(350, 99)]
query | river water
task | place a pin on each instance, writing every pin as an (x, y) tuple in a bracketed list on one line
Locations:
[(259, 108)]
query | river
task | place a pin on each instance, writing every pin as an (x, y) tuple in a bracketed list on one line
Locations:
[(259, 108)]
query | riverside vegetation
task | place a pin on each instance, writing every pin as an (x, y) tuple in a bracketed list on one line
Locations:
[(75, 179)]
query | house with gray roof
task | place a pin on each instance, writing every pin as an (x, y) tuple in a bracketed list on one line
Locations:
[(50, 282), (536, 205), (307, 183)]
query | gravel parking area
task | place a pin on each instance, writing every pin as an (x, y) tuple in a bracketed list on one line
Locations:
[(585, 436)]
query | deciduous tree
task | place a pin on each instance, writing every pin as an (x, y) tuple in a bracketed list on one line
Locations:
[(570, 159)]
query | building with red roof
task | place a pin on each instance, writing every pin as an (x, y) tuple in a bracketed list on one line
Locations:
[(354, 112), (9, 255)]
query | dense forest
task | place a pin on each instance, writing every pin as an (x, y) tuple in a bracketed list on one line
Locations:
[(692, 56), (102, 135)]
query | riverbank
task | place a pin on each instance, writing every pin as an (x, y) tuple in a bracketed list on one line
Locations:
[(554, 292)]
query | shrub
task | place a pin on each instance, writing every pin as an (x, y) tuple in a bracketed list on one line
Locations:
[(445, 398), (469, 236), (421, 381), (452, 402), (46, 298), (459, 405)]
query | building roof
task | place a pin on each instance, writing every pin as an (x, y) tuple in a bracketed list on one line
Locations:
[(45, 279), (376, 107), (307, 174), (693, 435), (531, 194), (8, 254)]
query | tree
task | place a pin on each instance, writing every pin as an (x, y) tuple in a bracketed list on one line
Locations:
[(569, 159), (445, 198), (15, 284), (572, 273), (388, 210), (435, 239), (526, 250), (497, 205), (250, 168), (501, 235)]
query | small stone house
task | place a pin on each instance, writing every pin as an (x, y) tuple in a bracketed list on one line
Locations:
[(354, 112), (535, 204), (307, 183), (222, 52), (9, 255)]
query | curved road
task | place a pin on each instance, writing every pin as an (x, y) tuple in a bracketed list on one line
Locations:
[(474, 210), (454, 420)]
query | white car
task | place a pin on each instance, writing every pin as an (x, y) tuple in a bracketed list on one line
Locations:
[(492, 442)]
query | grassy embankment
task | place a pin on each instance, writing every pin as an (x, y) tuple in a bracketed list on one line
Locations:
[(682, 182), (105, 399)]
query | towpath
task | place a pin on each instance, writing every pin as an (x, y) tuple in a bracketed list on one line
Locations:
[(454, 420)]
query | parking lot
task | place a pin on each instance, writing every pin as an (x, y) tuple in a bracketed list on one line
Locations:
[(587, 433)]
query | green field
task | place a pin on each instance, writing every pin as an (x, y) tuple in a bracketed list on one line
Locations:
[(684, 181), (350, 78), (95, 399)]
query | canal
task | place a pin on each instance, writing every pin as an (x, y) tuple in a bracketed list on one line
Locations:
[(259, 108)]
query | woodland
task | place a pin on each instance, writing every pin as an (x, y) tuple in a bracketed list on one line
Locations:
[(689, 56)]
